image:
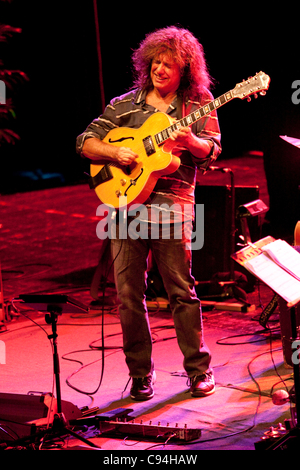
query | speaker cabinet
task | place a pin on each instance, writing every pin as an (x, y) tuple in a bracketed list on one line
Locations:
[(214, 257)]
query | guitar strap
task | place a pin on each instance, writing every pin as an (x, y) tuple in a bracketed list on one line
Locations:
[(180, 107), (104, 174)]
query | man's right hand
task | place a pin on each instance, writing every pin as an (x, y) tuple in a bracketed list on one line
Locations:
[(125, 156), (98, 151)]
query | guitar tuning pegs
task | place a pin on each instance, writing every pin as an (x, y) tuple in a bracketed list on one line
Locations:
[(263, 93), (255, 96), (249, 99)]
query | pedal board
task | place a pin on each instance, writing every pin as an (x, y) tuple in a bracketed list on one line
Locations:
[(146, 431), (118, 423)]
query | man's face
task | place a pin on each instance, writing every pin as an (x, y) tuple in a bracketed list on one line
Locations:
[(165, 74)]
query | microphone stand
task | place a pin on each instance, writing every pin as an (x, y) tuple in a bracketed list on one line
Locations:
[(59, 423), (59, 426)]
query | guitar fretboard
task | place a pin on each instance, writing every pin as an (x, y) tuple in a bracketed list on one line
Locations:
[(195, 116)]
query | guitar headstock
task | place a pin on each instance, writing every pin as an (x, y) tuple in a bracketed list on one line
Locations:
[(254, 85)]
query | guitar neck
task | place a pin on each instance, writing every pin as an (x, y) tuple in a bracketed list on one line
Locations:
[(193, 117)]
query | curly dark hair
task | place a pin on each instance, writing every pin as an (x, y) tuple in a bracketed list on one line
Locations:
[(185, 50)]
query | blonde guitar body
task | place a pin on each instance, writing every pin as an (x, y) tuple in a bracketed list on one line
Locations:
[(121, 186), (297, 234), (136, 182)]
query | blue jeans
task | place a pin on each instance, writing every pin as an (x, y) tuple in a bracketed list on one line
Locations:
[(173, 259)]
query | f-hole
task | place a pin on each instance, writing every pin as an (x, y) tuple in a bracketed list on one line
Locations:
[(133, 182)]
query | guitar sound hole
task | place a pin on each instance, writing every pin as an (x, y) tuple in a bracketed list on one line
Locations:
[(120, 140)]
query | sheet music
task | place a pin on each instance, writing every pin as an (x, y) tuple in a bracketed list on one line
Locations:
[(285, 285), (284, 255), (291, 140)]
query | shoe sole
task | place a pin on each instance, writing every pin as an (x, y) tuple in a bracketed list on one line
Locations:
[(203, 394), (142, 398)]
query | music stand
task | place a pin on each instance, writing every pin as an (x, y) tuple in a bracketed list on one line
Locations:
[(54, 305), (242, 257)]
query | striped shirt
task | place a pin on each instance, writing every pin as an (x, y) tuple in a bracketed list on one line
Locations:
[(176, 189)]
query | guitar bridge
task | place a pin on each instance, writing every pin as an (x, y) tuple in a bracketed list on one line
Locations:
[(149, 145)]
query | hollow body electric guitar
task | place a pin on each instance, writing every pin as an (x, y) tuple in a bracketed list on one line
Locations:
[(120, 186)]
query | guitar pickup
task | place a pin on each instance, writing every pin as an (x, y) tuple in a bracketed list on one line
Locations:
[(149, 145)]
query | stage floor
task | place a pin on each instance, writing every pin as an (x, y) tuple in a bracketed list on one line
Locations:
[(49, 245)]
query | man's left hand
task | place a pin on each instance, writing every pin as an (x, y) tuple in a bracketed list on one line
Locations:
[(182, 137)]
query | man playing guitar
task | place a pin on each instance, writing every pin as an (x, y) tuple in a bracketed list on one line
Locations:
[(171, 77)]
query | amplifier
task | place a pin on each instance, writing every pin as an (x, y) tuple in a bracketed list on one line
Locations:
[(21, 415), (214, 257)]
